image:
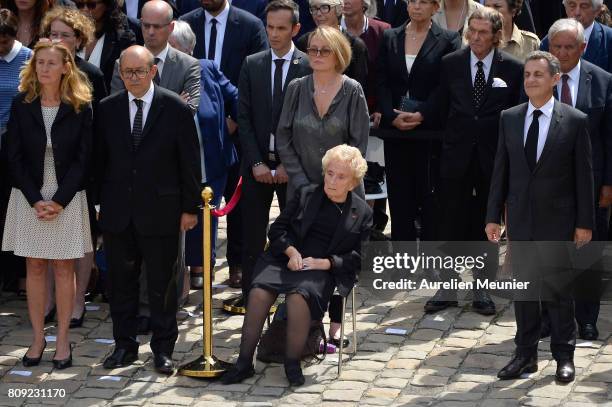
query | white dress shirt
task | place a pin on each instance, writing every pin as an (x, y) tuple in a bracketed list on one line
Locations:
[(13, 52), (543, 122), (573, 81), (96, 53), (486, 65), (587, 34), (162, 58), (147, 98), (221, 25)]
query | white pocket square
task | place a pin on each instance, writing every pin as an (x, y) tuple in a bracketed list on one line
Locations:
[(499, 83)]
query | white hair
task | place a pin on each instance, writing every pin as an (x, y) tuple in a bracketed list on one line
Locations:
[(596, 3), (567, 24), (183, 34)]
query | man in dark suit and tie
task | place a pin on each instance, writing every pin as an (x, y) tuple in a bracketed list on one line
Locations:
[(263, 80), (394, 12), (227, 35), (476, 84), (148, 177), (598, 36), (588, 88), (544, 177)]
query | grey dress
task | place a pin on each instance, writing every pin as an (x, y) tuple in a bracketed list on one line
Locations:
[(303, 137)]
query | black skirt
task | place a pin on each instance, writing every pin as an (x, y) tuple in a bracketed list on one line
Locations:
[(316, 286)]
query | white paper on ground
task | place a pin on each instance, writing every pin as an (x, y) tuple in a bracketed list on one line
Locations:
[(92, 307), (439, 318), (111, 378), (107, 341), (50, 338), (25, 373), (396, 331)]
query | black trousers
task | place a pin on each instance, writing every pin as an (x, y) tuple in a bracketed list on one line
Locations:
[(256, 202), (234, 219), (125, 252)]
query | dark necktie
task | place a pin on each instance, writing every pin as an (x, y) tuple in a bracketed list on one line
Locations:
[(157, 77), (137, 127), (388, 10), (566, 94), (277, 93), (531, 145), (212, 42), (479, 84)]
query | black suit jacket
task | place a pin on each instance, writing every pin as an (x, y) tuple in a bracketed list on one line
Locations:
[(393, 78), (244, 35), (154, 185), (469, 128), (114, 42), (557, 197), (400, 14), (255, 103), (292, 226), (26, 141)]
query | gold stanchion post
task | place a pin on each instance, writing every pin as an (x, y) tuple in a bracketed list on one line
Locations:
[(207, 365)]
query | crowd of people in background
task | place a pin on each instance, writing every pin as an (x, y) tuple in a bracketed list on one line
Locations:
[(114, 114)]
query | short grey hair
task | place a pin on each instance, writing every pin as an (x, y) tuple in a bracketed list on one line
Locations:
[(567, 24), (335, 4), (596, 3), (183, 34), (346, 154), (554, 66)]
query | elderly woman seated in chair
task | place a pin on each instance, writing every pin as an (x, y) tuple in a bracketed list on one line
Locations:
[(315, 246)]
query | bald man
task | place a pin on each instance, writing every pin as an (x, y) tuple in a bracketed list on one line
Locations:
[(176, 71), (148, 177)]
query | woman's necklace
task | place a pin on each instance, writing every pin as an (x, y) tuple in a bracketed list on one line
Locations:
[(414, 34), (324, 89), (339, 207)]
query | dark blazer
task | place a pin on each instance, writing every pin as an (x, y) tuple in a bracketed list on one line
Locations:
[(96, 78), (216, 92), (599, 48), (244, 35), (549, 203), (114, 43), (255, 103), (467, 127), (26, 141), (154, 185), (292, 225), (400, 14), (255, 7), (393, 78)]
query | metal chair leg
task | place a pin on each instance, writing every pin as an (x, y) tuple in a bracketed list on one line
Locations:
[(341, 353), (354, 307)]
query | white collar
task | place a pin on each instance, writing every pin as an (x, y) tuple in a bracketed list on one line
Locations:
[(147, 97), (365, 24), (164, 53), (13, 52), (546, 110), (574, 74), (221, 17), (487, 61), (287, 56), (588, 31)]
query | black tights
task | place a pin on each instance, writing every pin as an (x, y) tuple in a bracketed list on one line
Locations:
[(258, 307)]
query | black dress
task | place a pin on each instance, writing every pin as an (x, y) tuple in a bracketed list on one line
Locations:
[(316, 286)]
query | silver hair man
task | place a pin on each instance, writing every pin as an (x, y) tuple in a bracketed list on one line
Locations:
[(183, 38), (567, 24)]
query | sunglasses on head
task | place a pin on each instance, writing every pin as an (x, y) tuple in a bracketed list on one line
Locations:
[(87, 4)]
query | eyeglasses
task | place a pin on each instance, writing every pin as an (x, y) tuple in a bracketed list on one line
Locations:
[(87, 4), (315, 52), (324, 9), (58, 35), (156, 27), (138, 73)]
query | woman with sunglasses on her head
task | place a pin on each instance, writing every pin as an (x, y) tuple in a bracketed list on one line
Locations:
[(29, 14), (112, 35), (48, 147)]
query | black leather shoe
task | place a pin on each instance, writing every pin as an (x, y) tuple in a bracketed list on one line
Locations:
[(517, 366), (441, 300), (482, 303), (163, 363), (143, 325), (336, 342), (64, 363), (588, 332), (566, 372), (78, 322), (197, 281), (293, 371), (29, 362), (120, 358), (236, 375), (235, 277)]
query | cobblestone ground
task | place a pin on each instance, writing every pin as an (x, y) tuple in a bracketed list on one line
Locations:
[(447, 359)]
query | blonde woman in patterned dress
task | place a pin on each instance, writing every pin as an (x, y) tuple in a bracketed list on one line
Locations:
[(49, 146)]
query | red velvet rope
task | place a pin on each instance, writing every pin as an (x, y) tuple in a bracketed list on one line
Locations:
[(231, 204)]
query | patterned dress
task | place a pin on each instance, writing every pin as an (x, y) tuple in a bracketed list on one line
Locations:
[(66, 237)]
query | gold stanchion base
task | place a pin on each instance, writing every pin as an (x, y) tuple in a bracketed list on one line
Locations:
[(209, 367), (237, 306)]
